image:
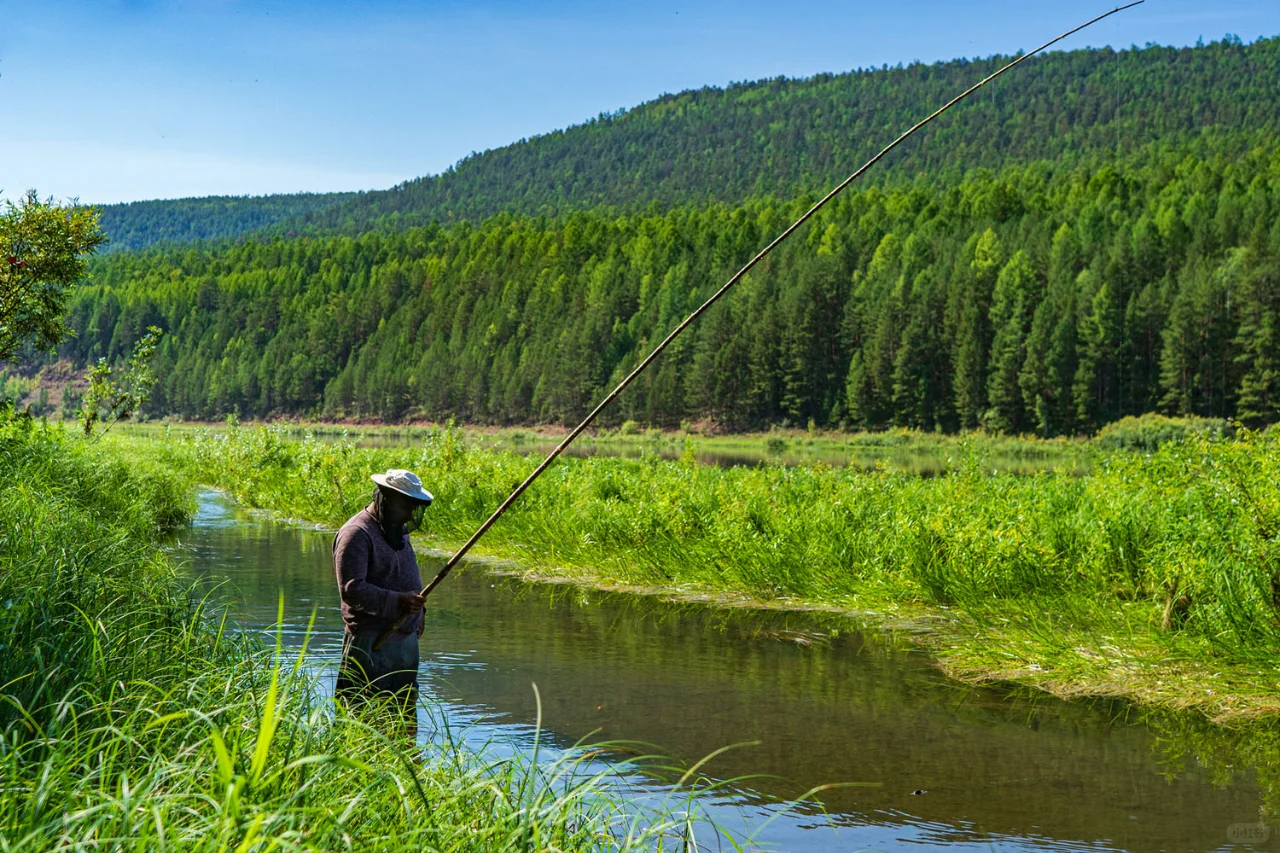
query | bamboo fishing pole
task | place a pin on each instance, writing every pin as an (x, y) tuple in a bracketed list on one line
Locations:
[(568, 439)]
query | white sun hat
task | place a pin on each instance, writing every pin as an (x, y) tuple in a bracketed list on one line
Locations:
[(404, 482)]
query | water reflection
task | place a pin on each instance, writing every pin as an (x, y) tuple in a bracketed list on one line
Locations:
[(817, 701)]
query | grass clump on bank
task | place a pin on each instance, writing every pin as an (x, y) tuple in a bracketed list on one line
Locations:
[(132, 720), (1143, 578), (1147, 432)]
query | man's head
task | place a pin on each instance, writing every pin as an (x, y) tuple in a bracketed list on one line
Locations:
[(400, 499)]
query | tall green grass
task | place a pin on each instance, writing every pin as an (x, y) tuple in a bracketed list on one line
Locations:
[(85, 598), (131, 719), (1178, 546)]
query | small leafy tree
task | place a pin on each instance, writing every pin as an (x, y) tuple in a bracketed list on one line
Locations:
[(114, 397), (43, 251)]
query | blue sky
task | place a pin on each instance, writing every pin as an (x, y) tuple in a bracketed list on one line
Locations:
[(118, 100)]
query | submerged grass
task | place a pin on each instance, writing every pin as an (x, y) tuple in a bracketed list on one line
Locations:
[(1152, 570), (130, 719)]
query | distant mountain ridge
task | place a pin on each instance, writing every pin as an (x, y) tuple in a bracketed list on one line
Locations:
[(784, 137), (139, 224)]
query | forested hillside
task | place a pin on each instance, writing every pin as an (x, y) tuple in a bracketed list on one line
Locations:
[(1044, 297), (139, 224), (777, 138)]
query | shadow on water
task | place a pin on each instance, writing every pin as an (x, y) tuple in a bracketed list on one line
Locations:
[(818, 701)]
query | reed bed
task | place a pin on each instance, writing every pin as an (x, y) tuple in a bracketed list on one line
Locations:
[(1075, 583), (132, 719)]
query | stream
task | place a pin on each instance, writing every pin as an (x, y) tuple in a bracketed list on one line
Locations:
[(809, 699)]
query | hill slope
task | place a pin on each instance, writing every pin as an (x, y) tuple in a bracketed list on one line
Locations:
[(782, 137), (1032, 299)]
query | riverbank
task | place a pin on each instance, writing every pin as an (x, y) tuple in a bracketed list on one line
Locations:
[(1149, 579), (132, 719)]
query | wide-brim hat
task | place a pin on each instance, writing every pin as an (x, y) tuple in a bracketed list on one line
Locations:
[(404, 482)]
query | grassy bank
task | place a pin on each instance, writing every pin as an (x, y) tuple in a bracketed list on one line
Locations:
[(1154, 577), (130, 720)]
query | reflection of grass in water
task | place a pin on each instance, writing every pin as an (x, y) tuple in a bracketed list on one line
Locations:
[(1169, 554), (1185, 740), (132, 719)]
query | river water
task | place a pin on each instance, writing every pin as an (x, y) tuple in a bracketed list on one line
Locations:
[(814, 700)]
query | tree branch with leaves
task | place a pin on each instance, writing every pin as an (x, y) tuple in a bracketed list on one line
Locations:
[(114, 397), (44, 248)]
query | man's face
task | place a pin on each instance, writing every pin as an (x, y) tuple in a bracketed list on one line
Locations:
[(398, 507)]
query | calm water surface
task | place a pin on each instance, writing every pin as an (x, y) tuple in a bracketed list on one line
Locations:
[(817, 701)]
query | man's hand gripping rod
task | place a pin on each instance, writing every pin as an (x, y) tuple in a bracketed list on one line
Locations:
[(568, 439)]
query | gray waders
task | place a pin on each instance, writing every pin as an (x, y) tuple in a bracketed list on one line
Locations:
[(391, 672)]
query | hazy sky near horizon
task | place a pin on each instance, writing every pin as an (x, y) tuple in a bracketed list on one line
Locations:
[(120, 100)]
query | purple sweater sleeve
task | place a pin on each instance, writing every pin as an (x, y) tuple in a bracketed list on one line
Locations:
[(351, 563)]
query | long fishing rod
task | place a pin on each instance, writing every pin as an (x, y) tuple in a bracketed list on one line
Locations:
[(568, 439)]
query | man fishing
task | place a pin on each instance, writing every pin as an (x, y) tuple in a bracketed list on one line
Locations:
[(380, 588)]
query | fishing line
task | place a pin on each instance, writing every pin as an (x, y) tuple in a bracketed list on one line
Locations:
[(568, 439)]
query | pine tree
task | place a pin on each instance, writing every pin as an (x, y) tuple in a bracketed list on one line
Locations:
[(972, 333), (914, 393), (1097, 386), (1144, 318), (1016, 289), (1198, 364), (1258, 343)]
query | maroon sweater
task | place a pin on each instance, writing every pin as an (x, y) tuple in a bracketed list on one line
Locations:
[(371, 574)]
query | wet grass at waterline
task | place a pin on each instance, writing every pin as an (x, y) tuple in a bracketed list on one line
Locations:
[(1155, 577), (131, 719)]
